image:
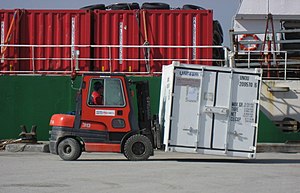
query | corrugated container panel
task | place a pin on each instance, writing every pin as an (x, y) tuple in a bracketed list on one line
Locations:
[(58, 27), (117, 28), (49, 27), (9, 35), (177, 28)]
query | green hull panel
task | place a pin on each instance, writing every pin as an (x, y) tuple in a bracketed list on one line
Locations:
[(32, 100), (268, 132)]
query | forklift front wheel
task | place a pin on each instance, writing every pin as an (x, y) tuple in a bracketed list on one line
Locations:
[(69, 149), (138, 147)]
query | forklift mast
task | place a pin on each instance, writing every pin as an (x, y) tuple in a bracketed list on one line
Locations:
[(143, 102), (149, 125), (143, 105)]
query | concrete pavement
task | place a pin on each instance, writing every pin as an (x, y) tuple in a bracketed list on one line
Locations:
[(165, 172)]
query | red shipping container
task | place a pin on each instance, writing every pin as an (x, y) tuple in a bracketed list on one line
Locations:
[(153, 28), (59, 31), (100, 28), (177, 28), (117, 28)]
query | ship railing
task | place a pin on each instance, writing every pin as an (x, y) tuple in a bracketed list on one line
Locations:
[(280, 59), (113, 53), (285, 40), (274, 67)]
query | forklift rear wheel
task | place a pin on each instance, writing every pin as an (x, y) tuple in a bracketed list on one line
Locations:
[(138, 147), (69, 149)]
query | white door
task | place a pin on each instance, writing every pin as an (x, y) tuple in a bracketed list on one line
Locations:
[(185, 112), (243, 115)]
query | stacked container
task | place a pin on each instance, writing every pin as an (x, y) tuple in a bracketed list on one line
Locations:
[(177, 28), (47, 39), (103, 40)]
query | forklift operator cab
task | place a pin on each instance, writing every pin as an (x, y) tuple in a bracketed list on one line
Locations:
[(109, 114), (108, 125), (113, 95)]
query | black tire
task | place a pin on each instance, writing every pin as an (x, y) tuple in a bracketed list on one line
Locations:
[(292, 36), (218, 27), (294, 46), (94, 7), (190, 7), (218, 30), (295, 24), (138, 148), (218, 53), (155, 6), (69, 149), (218, 40), (124, 6)]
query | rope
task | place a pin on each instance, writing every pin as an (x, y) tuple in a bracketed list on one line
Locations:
[(8, 141), (146, 43), (145, 26)]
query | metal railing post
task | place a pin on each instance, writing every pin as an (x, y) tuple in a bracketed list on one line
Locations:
[(226, 58), (249, 60), (33, 63), (285, 64), (109, 56)]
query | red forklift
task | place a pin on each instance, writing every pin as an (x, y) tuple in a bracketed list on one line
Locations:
[(108, 126)]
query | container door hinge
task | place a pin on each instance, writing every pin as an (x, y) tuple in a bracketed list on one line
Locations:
[(254, 125), (258, 78), (252, 148), (225, 148), (256, 101)]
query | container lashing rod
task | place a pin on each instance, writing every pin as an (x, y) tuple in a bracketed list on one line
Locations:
[(146, 43), (267, 41)]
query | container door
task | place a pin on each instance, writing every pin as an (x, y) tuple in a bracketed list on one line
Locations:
[(220, 110), (186, 100), (235, 114), (244, 113)]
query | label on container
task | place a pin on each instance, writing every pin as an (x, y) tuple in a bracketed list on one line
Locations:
[(194, 37), (242, 112), (73, 37), (244, 81), (191, 80), (2, 41), (120, 42), (192, 94)]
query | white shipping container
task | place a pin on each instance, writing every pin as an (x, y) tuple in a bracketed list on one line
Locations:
[(210, 110)]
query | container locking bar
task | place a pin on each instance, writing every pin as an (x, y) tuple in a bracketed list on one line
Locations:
[(216, 110)]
